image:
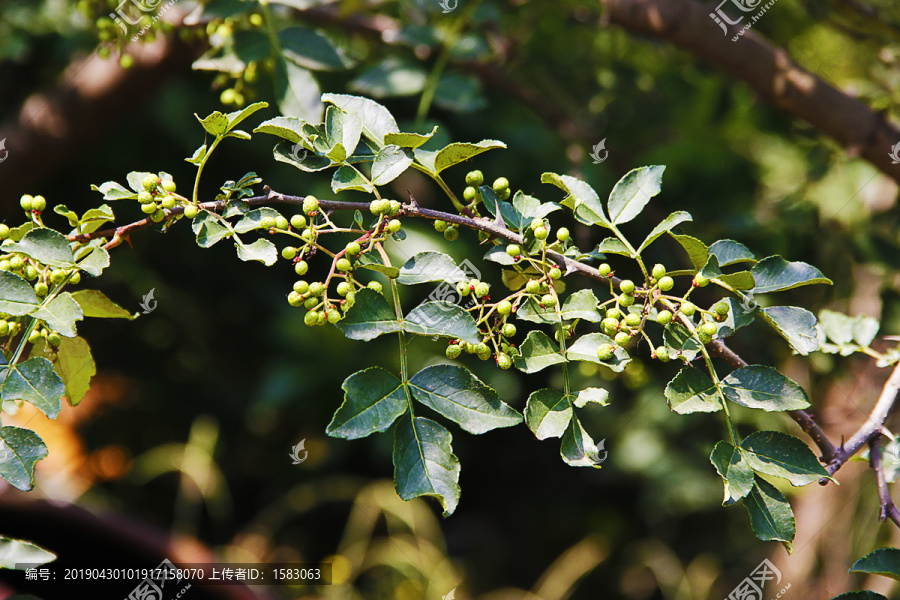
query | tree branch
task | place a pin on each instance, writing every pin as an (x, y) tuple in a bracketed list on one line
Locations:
[(717, 348), (873, 426), (769, 70), (888, 510)]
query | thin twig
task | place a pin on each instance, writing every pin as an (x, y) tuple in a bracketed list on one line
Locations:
[(888, 510)]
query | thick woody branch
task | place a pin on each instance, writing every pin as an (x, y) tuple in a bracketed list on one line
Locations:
[(766, 68), (888, 510)]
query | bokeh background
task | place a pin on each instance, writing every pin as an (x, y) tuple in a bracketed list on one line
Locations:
[(181, 448)]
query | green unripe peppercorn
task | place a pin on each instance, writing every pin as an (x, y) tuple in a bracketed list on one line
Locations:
[(440, 226), (533, 286), (562, 234), (555, 273), (394, 226), (453, 351), (295, 299), (609, 325), (298, 222), (666, 283), (541, 233), (301, 287), (482, 289), (150, 182), (353, 248), (281, 223), (664, 317), (470, 194), (504, 361), (309, 235), (310, 205), (604, 269), (622, 338), (34, 337), (662, 353), (301, 268), (149, 208), (606, 352), (311, 303), (627, 287), (375, 285), (632, 320), (687, 309), (463, 288), (343, 288), (144, 197), (474, 178), (708, 329), (158, 216), (504, 308), (701, 281), (513, 250), (394, 207), (535, 223), (614, 313), (41, 289), (191, 211), (500, 184), (333, 316), (16, 263), (168, 202), (721, 308), (4, 328), (658, 272), (75, 278), (317, 288), (288, 253), (56, 275), (39, 203), (26, 202), (451, 234), (4, 231), (548, 300), (311, 318), (482, 351), (169, 186), (626, 300), (343, 265), (31, 273), (509, 330), (267, 222)]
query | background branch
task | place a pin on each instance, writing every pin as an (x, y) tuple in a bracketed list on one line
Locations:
[(888, 510)]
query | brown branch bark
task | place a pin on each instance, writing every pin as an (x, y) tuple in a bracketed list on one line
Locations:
[(888, 510), (872, 428), (766, 68)]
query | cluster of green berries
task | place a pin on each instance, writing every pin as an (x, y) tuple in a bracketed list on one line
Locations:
[(450, 230), (479, 288), (482, 350), (117, 24), (10, 329), (158, 195)]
